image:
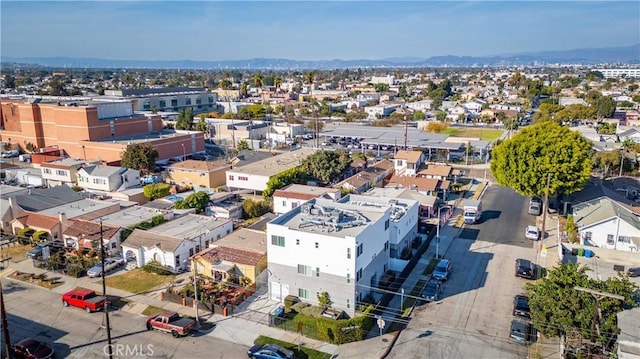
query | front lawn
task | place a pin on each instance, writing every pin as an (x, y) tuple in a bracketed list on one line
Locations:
[(151, 310), (304, 353), (138, 281), (488, 134), (17, 252)]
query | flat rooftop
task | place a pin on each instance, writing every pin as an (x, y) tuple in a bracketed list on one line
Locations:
[(275, 164), (189, 226), (78, 208), (390, 136), (245, 238), (132, 215), (310, 190), (330, 218), (146, 137)]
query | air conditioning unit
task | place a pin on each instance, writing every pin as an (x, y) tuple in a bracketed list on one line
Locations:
[(306, 208)]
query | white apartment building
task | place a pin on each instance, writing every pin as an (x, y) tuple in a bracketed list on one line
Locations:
[(387, 80), (612, 73), (342, 248), (292, 196), (380, 111)]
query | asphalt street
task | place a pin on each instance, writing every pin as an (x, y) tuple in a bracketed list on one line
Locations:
[(472, 320), (38, 313)]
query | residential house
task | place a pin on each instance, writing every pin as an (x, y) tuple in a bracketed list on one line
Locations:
[(197, 174), (566, 101), (243, 253), (380, 111), (604, 223), (632, 134), (131, 216), (327, 246), (81, 234), (422, 105), (627, 117), (427, 186), (440, 172), (474, 106), (372, 176), (96, 178), (456, 113), (52, 225), (254, 176), (293, 195), (407, 163), (225, 205), (174, 242), (59, 172), (85, 208)]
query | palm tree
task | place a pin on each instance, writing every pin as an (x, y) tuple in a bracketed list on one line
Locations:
[(277, 81), (627, 145), (308, 79), (225, 84)]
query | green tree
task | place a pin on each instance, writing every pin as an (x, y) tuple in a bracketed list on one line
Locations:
[(605, 161), (198, 200), (419, 115), (244, 145), (185, 119), (285, 178), (325, 165), (202, 126), (253, 209), (139, 156), (441, 115), (381, 87), (156, 190), (605, 106), (543, 150), (556, 306), (324, 300), (594, 76)]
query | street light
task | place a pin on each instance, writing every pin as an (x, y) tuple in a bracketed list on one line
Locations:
[(401, 299), (184, 152)]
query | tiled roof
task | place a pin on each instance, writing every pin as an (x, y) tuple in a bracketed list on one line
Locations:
[(294, 195), (37, 220), (229, 254), (88, 230)]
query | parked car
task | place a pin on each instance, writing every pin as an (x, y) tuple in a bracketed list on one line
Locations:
[(532, 233), (270, 351), (535, 206), (525, 269), (432, 290), (109, 265), (171, 322), (442, 270), (521, 332), (521, 306), (31, 348), (633, 272), (85, 299)]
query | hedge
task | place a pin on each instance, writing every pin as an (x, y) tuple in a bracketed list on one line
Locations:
[(343, 331)]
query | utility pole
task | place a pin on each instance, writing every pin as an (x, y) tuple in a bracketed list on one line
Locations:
[(597, 295), (5, 323), (405, 132), (104, 292)]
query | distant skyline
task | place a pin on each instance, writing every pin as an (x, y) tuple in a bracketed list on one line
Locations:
[(309, 30)]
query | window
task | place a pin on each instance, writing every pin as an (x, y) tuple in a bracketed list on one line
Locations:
[(317, 245), (231, 177), (303, 293), (297, 242), (386, 246), (610, 240), (294, 204), (359, 274), (348, 278), (61, 172), (348, 304), (624, 239), (99, 181), (198, 100), (47, 170), (304, 270), (187, 101), (243, 178), (284, 203), (190, 252), (348, 253), (359, 248), (277, 241), (317, 271), (174, 102), (162, 104), (386, 224)]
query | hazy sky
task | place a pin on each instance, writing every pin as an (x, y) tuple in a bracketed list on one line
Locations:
[(309, 30)]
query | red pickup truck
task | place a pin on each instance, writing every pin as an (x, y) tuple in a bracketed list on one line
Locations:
[(85, 299), (171, 322)]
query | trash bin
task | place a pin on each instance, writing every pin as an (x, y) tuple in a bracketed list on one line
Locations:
[(588, 253), (225, 312), (580, 252)]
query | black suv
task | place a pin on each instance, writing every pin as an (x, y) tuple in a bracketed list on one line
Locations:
[(525, 269), (521, 332), (521, 306)]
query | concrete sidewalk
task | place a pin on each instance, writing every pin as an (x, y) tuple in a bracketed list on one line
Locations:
[(238, 328)]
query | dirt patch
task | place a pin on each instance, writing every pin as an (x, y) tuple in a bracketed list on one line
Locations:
[(37, 279)]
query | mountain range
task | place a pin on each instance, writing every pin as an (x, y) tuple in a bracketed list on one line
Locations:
[(587, 56)]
